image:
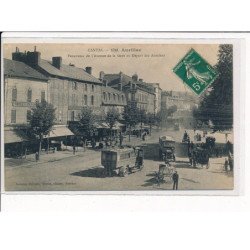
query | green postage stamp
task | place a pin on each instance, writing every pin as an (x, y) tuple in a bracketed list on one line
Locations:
[(195, 72)]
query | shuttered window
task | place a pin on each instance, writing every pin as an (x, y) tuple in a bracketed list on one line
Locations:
[(85, 100), (29, 95), (28, 115), (13, 116), (43, 96), (14, 95)]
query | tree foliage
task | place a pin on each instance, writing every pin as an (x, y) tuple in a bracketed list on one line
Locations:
[(112, 117), (217, 104), (86, 122), (130, 115), (42, 119)]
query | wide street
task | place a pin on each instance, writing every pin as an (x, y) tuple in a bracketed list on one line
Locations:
[(64, 171)]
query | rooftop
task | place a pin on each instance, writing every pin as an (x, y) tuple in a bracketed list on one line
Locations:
[(20, 69), (68, 71), (114, 79)]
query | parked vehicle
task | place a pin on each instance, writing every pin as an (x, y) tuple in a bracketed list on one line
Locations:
[(122, 161), (167, 148)]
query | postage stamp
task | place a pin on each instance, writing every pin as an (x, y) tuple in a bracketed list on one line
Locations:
[(195, 72), (103, 115)]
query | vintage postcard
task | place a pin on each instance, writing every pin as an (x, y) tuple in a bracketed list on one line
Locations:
[(122, 115)]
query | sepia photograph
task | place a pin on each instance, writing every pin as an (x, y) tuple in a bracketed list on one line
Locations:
[(118, 116)]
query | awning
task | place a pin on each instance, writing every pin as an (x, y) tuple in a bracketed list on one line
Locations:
[(100, 125), (60, 131), (11, 136)]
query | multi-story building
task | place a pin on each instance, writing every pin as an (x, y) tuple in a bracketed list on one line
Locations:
[(155, 87), (112, 98), (135, 90), (23, 87), (184, 101), (70, 87)]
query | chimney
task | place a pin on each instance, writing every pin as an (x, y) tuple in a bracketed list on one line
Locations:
[(33, 58), (120, 86), (140, 80), (105, 82), (135, 77), (57, 61), (18, 56), (130, 84), (101, 75), (120, 76), (89, 70)]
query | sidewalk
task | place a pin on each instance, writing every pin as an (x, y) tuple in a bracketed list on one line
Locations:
[(45, 158)]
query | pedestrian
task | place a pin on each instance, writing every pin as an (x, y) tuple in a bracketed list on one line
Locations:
[(36, 156), (74, 149), (175, 179), (226, 165)]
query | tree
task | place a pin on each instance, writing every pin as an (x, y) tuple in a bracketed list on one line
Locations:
[(142, 118), (86, 122), (217, 105), (112, 117), (150, 120), (42, 120), (130, 116)]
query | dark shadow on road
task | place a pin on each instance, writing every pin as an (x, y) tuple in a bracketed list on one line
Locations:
[(190, 180), (95, 172), (180, 164)]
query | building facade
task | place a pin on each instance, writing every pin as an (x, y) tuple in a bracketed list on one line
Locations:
[(69, 88), (112, 98), (23, 87), (136, 91), (184, 101)]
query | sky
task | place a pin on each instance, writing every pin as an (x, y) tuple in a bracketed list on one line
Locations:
[(151, 62)]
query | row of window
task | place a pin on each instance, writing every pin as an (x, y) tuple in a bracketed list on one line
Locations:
[(29, 95), (75, 86), (74, 100), (108, 96)]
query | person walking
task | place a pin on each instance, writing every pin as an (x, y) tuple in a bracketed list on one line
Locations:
[(226, 164), (74, 149), (175, 179)]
